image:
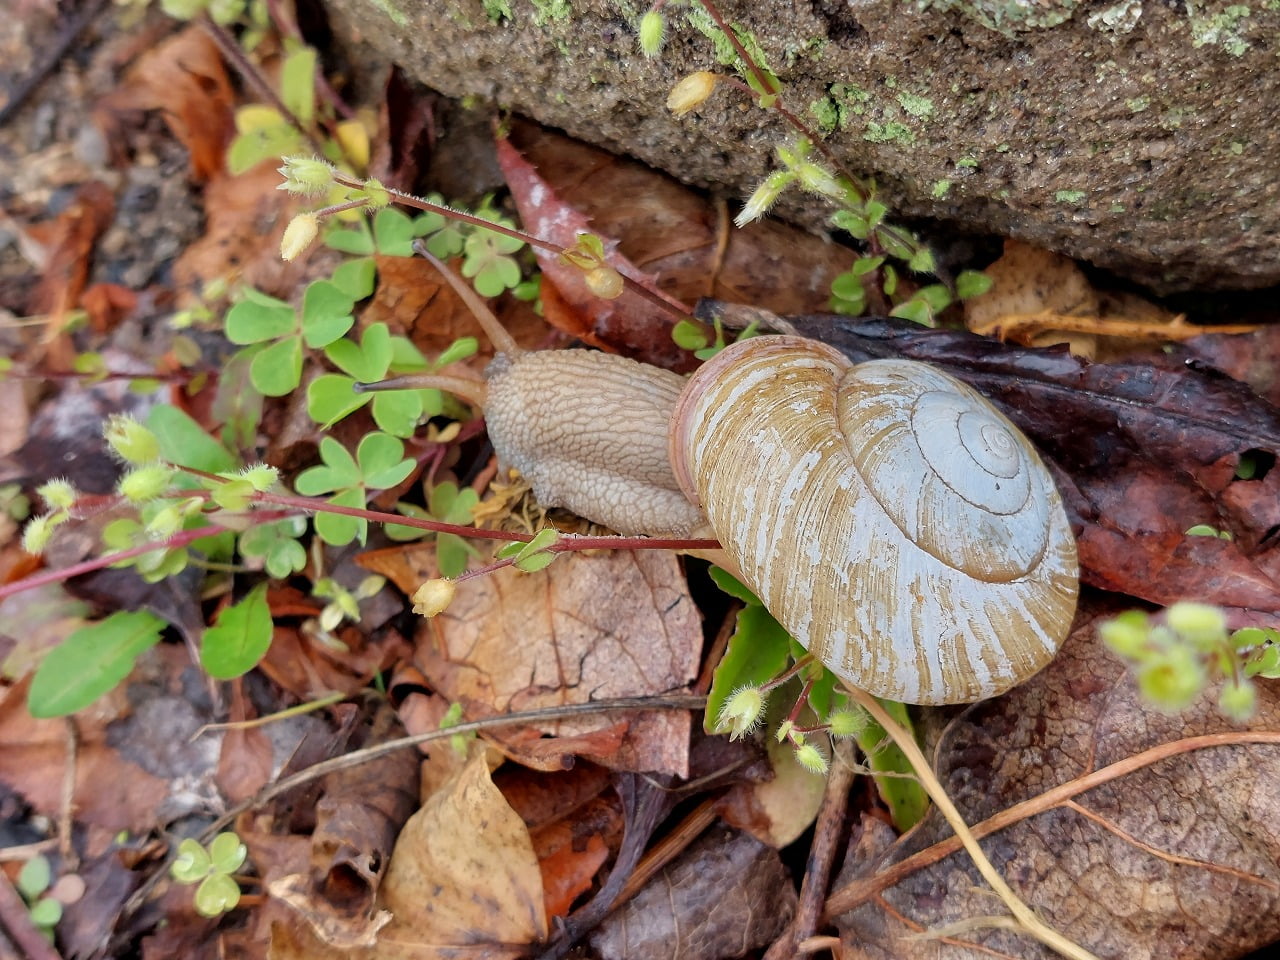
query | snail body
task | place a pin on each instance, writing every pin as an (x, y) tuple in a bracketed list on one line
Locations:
[(887, 515)]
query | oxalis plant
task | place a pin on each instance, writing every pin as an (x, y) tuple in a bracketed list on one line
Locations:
[(187, 498)]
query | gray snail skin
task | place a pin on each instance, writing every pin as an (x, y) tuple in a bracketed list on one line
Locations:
[(892, 520)]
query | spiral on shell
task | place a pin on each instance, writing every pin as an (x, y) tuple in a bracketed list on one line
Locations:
[(891, 519)]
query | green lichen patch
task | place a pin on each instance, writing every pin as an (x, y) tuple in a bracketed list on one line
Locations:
[(1069, 196)]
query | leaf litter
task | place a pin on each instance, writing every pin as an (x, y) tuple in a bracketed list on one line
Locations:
[(1142, 447)]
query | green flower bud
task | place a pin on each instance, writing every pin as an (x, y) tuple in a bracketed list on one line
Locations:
[(306, 176), (1199, 623), (764, 197), (260, 476), (1127, 634), (58, 494), (145, 483), (653, 31), (847, 723), (1173, 679), (1238, 700), (741, 712), (131, 441), (35, 535), (811, 758)]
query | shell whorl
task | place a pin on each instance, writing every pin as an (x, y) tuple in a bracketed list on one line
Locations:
[(896, 524)]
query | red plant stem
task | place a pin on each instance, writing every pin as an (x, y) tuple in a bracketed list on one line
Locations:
[(678, 310), (97, 563)]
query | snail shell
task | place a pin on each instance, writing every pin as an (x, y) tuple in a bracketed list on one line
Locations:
[(890, 518)]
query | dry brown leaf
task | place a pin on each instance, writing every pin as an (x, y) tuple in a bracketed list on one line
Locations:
[(775, 811), (184, 79), (725, 895), (1174, 859), (586, 628), (463, 880)]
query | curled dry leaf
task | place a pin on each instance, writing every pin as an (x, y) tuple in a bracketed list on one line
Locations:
[(585, 628), (725, 895), (1172, 858)]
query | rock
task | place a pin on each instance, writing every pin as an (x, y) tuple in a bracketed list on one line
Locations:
[(1135, 134)]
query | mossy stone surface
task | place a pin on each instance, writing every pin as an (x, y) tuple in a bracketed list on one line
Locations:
[(1132, 134)]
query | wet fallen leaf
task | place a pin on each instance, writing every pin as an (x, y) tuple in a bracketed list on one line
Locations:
[(583, 629), (1174, 858), (726, 895)]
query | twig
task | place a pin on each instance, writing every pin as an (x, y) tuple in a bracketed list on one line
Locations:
[(354, 759), (822, 853), (1023, 914), (53, 56), (857, 892), (67, 808)]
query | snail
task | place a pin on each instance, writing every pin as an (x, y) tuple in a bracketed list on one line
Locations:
[(888, 516)]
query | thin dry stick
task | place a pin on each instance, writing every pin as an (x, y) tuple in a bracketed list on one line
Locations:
[(1026, 918), (857, 892), (822, 853), (668, 848), (67, 808), (354, 759)]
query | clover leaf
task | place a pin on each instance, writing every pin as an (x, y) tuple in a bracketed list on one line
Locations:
[(379, 463)]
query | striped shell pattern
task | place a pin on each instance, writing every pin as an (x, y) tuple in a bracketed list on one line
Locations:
[(894, 522)]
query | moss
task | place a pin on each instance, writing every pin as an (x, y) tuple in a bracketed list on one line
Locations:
[(393, 12), (496, 10), (940, 189), (1138, 104), (919, 107), (970, 162), (1225, 28), (1008, 17), (889, 132), (1069, 196), (547, 11)]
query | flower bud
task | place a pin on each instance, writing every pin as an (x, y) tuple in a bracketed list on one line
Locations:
[(1238, 700), (811, 758), (605, 282), (58, 494), (691, 92), (741, 712), (764, 196), (653, 30), (131, 441), (1198, 622), (306, 176), (298, 235), (433, 597), (144, 483)]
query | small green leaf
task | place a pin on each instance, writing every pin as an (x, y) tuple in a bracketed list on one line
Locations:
[(382, 462), (326, 313), (338, 530), (937, 296), (184, 441), (356, 278), (227, 853), (216, 895), (733, 586), (91, 661), (922, 261), (298, 84), (367, 362), (534, 562), (689, 335), (192, 863), (258, 317), (393, 233), (915, 309), (357, 241), (338, 472), (397, 412), (46, 913), (331, 396), (905, 798), (972, 283), (240, 637), (35, 877), (461, 349), (277, 370)]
